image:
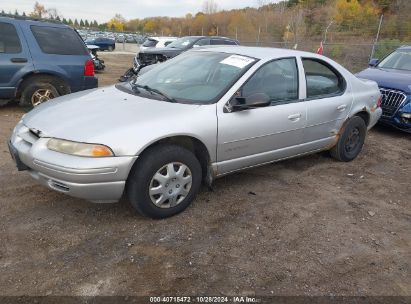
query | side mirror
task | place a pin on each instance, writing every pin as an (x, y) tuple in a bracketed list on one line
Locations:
[(256, 100), (374, 62)]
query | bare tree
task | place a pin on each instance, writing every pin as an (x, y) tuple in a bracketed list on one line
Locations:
[(53, 13), (210, 7)]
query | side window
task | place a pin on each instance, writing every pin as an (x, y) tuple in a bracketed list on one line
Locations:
[(278, 79), (59, 41), (9, 40), (230, 42), (217, 42), (202, 42), (322, 80)]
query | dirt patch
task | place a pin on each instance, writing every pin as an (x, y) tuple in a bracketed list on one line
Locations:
[(308, 226)]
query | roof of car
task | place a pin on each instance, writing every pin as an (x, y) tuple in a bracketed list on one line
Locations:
[(256, 52), (219, 37), (33, 21), (405, 47)]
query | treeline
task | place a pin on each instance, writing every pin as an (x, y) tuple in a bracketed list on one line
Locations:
[(291, 20)]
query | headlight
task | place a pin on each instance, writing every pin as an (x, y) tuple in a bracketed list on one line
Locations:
[(79, 149)]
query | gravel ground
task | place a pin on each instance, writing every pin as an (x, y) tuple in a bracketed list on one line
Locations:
[(308, 226)]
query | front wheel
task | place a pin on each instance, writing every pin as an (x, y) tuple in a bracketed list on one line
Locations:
[(351, 140), (164, 181)]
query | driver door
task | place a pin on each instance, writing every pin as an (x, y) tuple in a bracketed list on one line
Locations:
[(261, 135)]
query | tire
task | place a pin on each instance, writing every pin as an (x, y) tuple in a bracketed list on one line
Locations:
[(41, 85), (351, 141), (110, 48), (142, 178)]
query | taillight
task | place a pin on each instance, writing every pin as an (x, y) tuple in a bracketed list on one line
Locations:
[(89, 68), (379, 101)]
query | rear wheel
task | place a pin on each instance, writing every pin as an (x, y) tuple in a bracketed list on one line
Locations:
[(37, 90), (164, 182), (351, 140), (110, 48)]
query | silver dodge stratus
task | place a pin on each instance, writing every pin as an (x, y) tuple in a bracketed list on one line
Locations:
[(204, 114)]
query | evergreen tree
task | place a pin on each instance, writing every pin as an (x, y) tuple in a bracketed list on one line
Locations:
[(81, 23)]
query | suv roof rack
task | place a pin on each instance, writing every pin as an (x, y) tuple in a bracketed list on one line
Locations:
[(28, 18)]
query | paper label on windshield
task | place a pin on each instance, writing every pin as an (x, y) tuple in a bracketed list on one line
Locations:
[(237, 61)]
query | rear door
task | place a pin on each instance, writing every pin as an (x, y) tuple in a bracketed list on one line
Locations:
[(15, 58), (59, 50), (328, 102)]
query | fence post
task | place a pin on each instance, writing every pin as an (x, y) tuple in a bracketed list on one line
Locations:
[(377, 37)]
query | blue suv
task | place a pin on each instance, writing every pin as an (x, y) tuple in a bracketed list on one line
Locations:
[(41, 60), (393, 75)]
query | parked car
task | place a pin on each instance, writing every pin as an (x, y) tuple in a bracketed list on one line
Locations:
[(393, 75), (105, 44), (149, 56), (98, 63), (204, 114), (41, 60), (157, 42)]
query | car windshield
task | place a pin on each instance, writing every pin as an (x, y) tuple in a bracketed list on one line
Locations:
[(182, 42), (193, 77), (398, 60)]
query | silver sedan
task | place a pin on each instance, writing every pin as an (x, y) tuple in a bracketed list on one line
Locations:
[(204, 114)]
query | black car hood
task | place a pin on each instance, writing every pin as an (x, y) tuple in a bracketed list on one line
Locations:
[(388, 78), (168, 52)]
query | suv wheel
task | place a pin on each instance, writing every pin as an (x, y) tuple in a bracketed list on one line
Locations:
[(351, 140), (110, 48), (40, 89), (164, 182)]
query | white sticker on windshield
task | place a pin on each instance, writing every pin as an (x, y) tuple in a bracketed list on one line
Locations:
[(237, 61)]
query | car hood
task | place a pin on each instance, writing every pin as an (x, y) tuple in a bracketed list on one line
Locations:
[(103, 115), (387, 78), (168, 52)]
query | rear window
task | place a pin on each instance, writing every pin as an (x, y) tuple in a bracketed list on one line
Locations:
[(59, 41), (9, 40), (150, 43)]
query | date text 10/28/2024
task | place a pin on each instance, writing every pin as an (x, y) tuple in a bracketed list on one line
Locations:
[(205, 299)]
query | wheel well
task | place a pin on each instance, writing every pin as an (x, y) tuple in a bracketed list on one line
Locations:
[(196, 147), (63, 88), (365, 116)]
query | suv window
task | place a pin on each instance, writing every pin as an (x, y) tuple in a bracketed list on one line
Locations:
[(322, 80), (278, 79), (59, 41), (9, 40)]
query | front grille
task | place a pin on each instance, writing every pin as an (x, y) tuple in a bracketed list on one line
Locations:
[(391, 101)]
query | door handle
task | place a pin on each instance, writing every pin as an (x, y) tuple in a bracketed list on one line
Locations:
[(18, 60), (294, 117), (342, 107)]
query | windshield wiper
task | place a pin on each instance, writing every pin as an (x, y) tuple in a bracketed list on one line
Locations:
[(152, 90)]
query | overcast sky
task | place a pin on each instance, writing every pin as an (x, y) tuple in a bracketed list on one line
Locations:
[(103, 10)]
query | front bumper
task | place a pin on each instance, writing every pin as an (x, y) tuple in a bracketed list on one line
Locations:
[(94, 179), (401, 119)]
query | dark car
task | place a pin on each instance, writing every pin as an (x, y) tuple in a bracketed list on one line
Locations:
[(393, 75), (105, 44), (151, 56), (41, 60)]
